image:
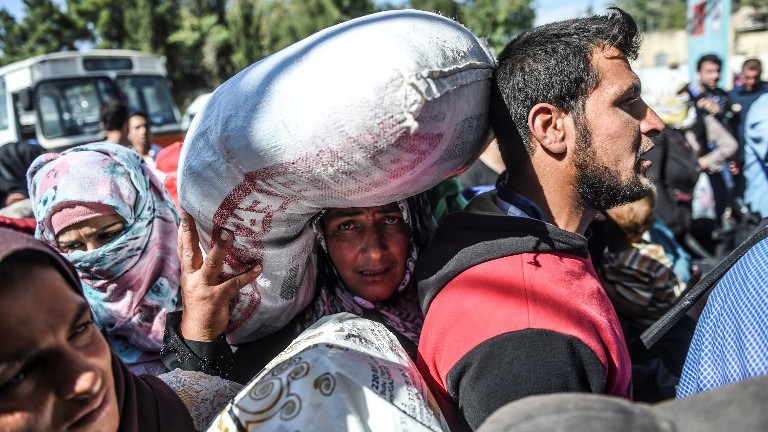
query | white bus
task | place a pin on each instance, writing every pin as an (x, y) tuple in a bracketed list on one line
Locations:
[(54, 99)]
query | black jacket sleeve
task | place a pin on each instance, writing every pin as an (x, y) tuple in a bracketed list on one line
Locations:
[(519, 364), (212, 358)]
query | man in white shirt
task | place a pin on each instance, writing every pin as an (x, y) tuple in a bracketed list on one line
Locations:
[(140, 136)]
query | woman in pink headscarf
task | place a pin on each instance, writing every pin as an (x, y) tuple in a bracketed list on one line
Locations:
[(101, 206)]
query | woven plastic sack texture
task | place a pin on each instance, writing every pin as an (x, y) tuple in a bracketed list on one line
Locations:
[(345, 373), (360, 114)]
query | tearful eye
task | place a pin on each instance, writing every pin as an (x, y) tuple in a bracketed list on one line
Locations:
[(81, 328), (391, 220), (15, 380), (19, 377)]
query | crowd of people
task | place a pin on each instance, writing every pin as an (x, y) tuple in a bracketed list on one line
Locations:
[(564, 244)]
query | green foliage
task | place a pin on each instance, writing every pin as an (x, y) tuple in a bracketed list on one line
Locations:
[(245, 32), (656, 15), (194, 62), (104, 18), (498, 20), (447, 8), (258, 28), (45, 28), (10, 40), (207, 41)]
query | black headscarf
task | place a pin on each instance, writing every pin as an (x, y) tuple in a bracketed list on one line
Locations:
[(15, 159), (145, 403)]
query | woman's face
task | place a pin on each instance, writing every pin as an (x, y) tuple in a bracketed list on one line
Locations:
[(55, 366), (369, 247), (90, 234)]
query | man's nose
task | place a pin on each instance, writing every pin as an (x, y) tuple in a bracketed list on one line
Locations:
[(651, 125)]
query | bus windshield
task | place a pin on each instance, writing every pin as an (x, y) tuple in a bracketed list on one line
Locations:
[(69, 107), (151, 95)]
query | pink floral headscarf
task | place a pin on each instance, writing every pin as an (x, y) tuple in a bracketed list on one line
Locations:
[(132, 281)]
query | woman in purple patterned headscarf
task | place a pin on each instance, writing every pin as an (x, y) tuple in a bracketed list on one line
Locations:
[(101, 206)]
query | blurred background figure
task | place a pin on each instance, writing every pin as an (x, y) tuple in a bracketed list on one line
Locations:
[(743, 96), (689, 158), (15, 159), (637, 274), (716, 146), (139, 137), (114, 116), (167, 162), (640, 280), (707, 96), (484, 174), (746, 94)]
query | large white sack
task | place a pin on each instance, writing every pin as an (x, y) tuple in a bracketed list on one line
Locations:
[(360, 114), (345, 373)]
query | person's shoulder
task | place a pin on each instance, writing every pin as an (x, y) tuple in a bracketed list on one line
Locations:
[(736, 91)]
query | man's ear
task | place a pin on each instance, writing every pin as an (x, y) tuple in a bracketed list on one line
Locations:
[(547, 125)]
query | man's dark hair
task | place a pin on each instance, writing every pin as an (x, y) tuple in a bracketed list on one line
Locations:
[(552, 64), (113, 115), (139, 113), (708, 58), (752, 64)]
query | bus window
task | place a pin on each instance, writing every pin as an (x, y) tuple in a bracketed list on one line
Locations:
[(72, 105), (4, 120), (52, 123), (151, 95)]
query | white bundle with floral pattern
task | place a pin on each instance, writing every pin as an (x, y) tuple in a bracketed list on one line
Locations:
[(343, 373)]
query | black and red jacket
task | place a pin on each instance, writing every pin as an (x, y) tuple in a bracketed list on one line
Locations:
[(513, 308)]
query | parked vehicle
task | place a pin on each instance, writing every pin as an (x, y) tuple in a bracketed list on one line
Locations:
[(54, 99)]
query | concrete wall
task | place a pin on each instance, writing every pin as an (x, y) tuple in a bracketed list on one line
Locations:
[(666, 48)]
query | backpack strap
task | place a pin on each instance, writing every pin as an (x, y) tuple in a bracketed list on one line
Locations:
[(673, 315)]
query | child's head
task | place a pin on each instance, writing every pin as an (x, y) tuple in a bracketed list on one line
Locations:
[(636, 217)]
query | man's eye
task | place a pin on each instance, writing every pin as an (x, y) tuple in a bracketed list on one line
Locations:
[(630, 101), (348, 225)]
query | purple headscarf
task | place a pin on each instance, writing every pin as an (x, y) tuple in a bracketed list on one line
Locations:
[(145, 403)]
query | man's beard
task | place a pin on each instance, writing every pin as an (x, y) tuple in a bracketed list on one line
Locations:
[(599, 186)]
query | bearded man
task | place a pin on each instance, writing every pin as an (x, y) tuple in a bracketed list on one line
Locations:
[(513, 305)]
